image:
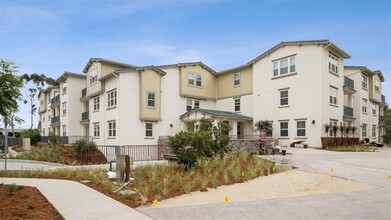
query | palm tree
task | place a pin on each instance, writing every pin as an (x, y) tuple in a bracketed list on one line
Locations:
[(263, 126)]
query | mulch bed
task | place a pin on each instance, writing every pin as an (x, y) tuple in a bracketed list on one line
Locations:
[(25, 202)]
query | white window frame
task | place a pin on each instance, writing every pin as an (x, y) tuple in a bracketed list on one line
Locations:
[(93, 76), (96, 130), (333, 63), (148, 130), (64, 130), (377, 86), (96, 103), (190, 79), (112, 129), (364, 81), (374, 109), (301, 128), (64, 108), (364, 104), (290, 66), (237, 77), (284, 129), (64, 86), (189, 104), (374, 131), (196, 103), (333, 98), (364, 130), (151, 100), (237, 105), (112, 98), (281, 97), (198, 80)]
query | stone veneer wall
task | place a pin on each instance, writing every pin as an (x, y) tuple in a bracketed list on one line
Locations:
[(235, 145)]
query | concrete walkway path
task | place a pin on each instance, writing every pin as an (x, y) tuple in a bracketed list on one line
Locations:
[(74, 200)]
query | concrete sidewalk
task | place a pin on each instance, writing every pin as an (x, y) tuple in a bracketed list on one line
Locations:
[(74, 200)]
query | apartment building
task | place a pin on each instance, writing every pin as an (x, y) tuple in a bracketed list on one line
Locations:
[(299, 86)]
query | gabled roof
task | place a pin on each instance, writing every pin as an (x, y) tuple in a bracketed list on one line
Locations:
[(220, 114), (189, 64), (380, 74), (101, 60), (69, 74), (327, 43), (361, 68), (233, 68), (140, 68)]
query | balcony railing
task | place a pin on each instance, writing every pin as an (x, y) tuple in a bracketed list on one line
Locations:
[(381, 118), (55, 100), (55, 119), (349, 82), (85, 116), (348, 111), (383, 98), (83, 92)]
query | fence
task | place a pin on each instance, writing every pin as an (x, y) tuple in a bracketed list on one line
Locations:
[(11, 142), (138, 152), (67, 139)]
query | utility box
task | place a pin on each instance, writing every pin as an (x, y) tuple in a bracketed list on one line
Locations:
[(26, 144)]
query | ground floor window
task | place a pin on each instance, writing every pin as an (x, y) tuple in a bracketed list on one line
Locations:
[(148, 129), (373, 130), (96, 129), (112, 128), (301, 129), (364, 130), (64, 130), (284, 129)]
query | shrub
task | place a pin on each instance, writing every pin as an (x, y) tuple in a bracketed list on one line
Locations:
[(33, 134), (83, 147), (53, 138)]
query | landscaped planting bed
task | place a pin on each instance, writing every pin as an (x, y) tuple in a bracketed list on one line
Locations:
[(23, 202), (354, 148), (166, 181)]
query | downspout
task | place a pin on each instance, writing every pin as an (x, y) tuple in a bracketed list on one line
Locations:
[(323, 78)]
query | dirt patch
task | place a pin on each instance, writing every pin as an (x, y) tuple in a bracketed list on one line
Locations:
[(72, 157), (24, 202)]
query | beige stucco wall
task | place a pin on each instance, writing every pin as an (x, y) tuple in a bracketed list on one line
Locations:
[(374, 94), (150, 81), (207, 90), (226, 87), (96, 87)]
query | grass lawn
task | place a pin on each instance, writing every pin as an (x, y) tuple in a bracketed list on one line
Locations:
[(165, 181)]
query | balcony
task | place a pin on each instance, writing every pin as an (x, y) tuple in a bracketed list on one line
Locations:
[(348, 113), (348, 86), (55, 120), (85, 117), (55, 100), (381, 119)]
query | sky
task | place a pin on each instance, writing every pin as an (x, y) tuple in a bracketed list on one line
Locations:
[(50, 37)]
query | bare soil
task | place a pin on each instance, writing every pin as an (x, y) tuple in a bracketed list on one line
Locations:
[(25, 202)]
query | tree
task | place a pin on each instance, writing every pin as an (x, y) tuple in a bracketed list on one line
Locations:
[(264, 126), (387, 120), (39, 80)]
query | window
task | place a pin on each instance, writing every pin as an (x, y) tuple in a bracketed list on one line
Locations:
[(198, 80), (364, 130), (148, 129), (284, 129), (196, 103), (364, 81), (96, 129), (364, 106), (333, 63), (112, 129), (151, 100), (333, 95), (190, 79), (96, 103), (43, 118), (373, 109), (94, 76), (236, 79), (64, 86), (237, 105), (112, 98), (377, 85), (284, 66), (64, 130), (64, 108), (189, 105), (301, 129), (373, 130), (43, 131), (284, 97)]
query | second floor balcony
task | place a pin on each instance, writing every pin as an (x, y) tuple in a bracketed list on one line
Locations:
[(348, 113), (348, 86), (85, 117), (55, 120)]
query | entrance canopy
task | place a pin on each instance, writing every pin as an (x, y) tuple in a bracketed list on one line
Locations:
[(198, 113)]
